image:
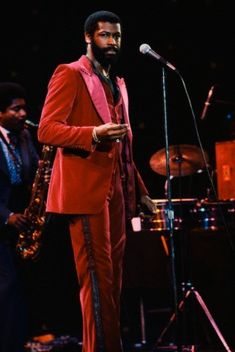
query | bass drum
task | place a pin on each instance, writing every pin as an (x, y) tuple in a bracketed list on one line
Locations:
[(159, 221), (213, 215)]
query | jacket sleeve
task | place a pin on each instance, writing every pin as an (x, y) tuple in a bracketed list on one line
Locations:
[(4, 214), (61, 96)]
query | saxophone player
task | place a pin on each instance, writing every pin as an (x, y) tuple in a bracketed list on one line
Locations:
[(18, 164)]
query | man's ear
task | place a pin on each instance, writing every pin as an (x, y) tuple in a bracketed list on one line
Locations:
[(87, 38)]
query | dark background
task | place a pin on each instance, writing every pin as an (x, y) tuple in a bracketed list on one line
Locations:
[(198, 38), (195, 36)]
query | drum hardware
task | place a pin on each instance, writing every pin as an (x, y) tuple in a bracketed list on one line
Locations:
[(189, 290), (210, 222), (185, 160)]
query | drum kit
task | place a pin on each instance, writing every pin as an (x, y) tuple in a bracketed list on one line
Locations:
[(185, 160)]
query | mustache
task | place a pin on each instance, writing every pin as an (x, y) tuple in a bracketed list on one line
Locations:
[(112, 48)]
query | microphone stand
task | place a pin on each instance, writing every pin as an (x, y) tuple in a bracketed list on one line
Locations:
[(169, 207)]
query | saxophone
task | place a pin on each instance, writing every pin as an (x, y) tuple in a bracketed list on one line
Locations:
[(30, 241)]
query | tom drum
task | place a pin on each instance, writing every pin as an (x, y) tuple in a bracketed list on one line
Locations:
[(213, 215)]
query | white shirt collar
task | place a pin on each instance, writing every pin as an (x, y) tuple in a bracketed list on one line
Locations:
[(5, 133)]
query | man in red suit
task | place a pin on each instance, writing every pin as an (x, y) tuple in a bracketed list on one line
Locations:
[(94, 179)]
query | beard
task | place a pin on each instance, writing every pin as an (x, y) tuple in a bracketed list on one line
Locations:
[(103, 57)]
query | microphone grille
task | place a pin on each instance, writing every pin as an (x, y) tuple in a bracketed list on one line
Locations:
[(144, 48)]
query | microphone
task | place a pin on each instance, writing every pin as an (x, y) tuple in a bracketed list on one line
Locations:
[(207, 102), (29, 123), (146, 49)]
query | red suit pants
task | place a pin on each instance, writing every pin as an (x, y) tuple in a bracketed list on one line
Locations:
[(98, 243)]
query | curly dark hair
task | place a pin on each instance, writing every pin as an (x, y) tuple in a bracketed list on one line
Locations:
[(8, 92), (104, 16)]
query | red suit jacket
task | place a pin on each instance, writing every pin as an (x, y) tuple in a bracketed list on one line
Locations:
[(81, 174)]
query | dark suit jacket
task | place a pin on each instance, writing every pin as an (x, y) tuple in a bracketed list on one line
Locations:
[(15, 198)]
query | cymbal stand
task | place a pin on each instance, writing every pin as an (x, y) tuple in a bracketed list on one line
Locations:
[(191, 290)]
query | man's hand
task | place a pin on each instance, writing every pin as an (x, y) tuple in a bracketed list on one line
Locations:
[(146, 200), (18, 221), (111, 131)]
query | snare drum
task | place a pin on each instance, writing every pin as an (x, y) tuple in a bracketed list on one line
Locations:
[(159, 221)]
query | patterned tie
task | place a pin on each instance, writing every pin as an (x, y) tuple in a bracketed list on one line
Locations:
[(14, 160)]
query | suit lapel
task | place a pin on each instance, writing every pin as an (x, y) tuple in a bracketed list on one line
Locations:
[(97, 93), (95, 89)]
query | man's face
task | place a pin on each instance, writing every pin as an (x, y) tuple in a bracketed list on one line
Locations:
[(14, 116), (106, 43)]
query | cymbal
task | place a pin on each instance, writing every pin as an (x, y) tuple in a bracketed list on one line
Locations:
[(184, 159)]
